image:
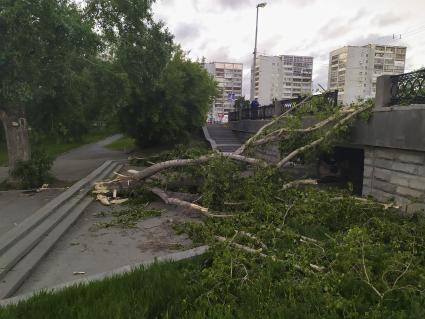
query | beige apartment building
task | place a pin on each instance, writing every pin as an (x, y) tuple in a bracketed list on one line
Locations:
[(229, 78), (281, 77), (353, 70)]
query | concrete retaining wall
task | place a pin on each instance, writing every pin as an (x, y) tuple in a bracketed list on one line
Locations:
[(395, 174), (399, 127)]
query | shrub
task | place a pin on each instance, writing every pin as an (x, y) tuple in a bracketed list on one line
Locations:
[(34, 172)]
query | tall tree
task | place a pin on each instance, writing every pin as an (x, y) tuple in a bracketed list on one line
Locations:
[(44, 45), (177, 105), (169, 95)]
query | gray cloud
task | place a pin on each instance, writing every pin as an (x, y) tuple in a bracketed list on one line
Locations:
[(221, 54), (362, 13), (321, 77), (269, 44), (385, 19), (220, 5), (334, 29), (246, 84), (370, 38), (234, 4), (301, 3), (185, 31)]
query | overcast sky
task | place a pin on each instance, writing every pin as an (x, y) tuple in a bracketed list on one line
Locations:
[(223, 30)]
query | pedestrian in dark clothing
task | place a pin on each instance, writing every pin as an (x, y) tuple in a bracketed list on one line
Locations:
[(254, 108)]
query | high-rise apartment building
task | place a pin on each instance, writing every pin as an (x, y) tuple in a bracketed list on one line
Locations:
[(353, 70), (229, 78), (280, 77)]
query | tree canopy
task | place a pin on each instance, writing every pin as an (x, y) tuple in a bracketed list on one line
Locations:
[(63, 66), (169, 94)]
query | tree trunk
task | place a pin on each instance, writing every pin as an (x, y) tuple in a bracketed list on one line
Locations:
[(17, 139)]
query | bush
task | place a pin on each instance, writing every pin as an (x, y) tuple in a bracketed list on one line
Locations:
[(174, 108), (35, 172)]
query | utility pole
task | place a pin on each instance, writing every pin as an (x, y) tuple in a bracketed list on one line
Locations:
[(260, 5)]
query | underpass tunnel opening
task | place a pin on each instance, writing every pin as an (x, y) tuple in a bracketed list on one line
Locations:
[(342, 167)]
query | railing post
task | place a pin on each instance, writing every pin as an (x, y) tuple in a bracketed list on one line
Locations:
[(277, 108), (383, 91)]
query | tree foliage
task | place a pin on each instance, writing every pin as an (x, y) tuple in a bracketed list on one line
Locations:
[(168, 94), (44, 49), (64, 66), (177, 105)]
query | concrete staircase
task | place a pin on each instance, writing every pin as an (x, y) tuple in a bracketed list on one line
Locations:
[(222, 138), (23, 247)]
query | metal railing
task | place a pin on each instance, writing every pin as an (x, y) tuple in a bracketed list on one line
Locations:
[(279, 107), (408, 88)]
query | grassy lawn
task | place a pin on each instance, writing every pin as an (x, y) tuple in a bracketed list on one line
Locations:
[(55, 148), (156, 292), (124, 144), (193, 142)]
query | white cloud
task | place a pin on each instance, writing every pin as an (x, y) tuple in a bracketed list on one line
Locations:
[(224, 29)]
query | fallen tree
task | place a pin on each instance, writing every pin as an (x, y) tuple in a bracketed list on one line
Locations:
[(275, 131), (290, 244)]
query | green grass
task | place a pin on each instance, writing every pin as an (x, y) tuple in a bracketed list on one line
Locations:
[(124, 144), (155, 292)]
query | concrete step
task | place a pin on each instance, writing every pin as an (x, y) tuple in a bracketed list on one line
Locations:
[(14, 235), (222, 138), (227, 148), (53, 214), (23, 269)]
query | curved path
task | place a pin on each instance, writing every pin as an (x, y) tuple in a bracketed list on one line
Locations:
[(79, 162)]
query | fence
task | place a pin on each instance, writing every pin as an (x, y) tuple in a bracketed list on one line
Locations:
[(408, 88), (279, 107)]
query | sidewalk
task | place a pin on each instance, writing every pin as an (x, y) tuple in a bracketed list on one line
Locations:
[(79, 162), (15, 206)]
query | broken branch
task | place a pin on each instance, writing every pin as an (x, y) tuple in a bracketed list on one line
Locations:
[(178, 202), (320, 140), (154, 169), (241, 149), (298, 183)]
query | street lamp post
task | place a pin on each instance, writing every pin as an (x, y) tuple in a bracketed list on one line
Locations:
[(260, 5)]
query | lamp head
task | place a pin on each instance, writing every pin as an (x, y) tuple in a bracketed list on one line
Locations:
[(261, 5)]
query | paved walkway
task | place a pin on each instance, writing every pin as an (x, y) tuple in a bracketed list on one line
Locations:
[(79, 162), (91, 250), (15, 206)]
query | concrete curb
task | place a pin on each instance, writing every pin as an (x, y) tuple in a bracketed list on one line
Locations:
[(15, 234), (208, 138), (26, 249), (177, 256)]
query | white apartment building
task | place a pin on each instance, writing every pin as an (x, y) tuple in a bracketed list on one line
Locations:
[(353, 70), (281, 77), (229, 78)]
